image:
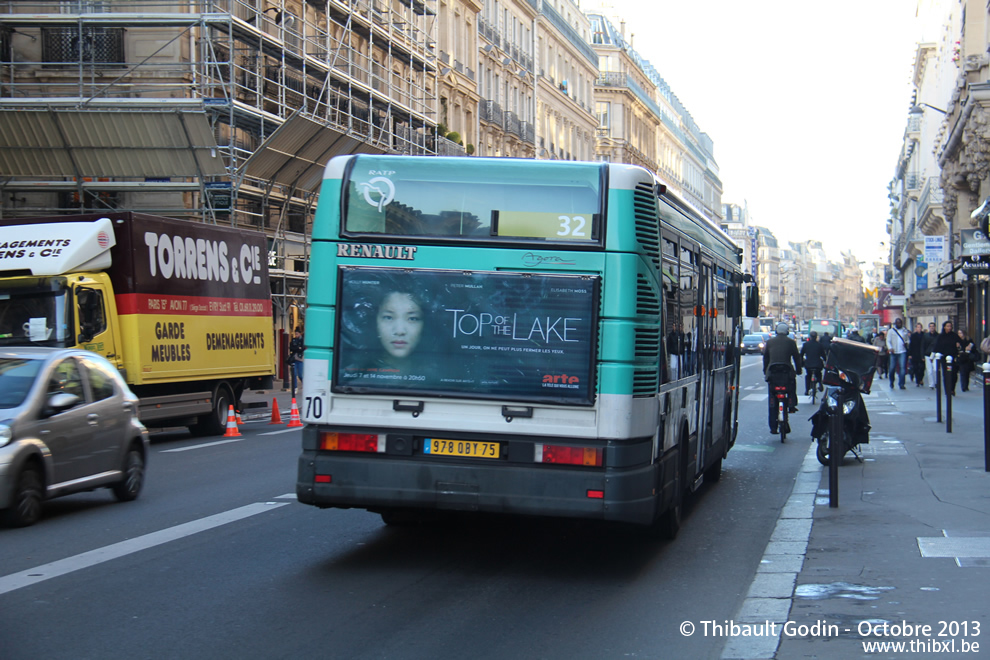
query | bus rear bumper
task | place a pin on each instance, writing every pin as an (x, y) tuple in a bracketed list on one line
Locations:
[(382, 483)]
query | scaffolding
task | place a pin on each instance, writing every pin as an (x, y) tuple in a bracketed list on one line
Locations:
[(220, 111)]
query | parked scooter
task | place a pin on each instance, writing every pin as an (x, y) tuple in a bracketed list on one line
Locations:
[(849, 370)]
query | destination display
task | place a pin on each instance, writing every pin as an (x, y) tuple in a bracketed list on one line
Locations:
[(512, 336), (554, 226)]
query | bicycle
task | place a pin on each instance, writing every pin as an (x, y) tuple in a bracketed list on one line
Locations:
[(780, 384), (815, 378), (783, 426)]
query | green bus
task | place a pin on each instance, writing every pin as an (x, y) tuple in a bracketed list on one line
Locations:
[(544, 338)]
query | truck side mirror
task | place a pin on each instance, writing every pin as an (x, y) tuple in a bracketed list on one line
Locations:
[(87, 303)]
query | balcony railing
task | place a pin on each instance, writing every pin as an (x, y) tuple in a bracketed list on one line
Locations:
[(930, 200), (512, 124), (490, 111)]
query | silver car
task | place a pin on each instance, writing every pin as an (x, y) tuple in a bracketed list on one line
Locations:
[(68, 423)]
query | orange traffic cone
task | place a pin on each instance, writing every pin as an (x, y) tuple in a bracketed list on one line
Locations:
[(232, 431), (276, 415), (294, 416), (237, 414)]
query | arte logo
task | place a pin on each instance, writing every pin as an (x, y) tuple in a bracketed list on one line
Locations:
[(561, 379)]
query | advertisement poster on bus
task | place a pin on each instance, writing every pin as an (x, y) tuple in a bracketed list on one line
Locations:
[(513, 336)]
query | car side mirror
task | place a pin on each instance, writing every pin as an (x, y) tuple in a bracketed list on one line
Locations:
[(60, 402)]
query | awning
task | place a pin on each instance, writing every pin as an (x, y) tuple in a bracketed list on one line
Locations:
[(127, 142), (298, 151)]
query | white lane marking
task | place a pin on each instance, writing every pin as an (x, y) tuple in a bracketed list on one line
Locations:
[(68, 565), (287, 496), (281, 431), (205, 444)]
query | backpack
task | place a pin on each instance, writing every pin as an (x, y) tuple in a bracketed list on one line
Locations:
[(985, 345)]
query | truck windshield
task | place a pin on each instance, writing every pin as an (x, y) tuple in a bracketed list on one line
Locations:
[(35, 314)]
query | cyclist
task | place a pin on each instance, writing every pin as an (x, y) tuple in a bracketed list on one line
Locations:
[(778, 355), (813, 359)]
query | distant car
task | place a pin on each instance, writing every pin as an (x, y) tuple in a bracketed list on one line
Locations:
[(752, 344), (68, 423)]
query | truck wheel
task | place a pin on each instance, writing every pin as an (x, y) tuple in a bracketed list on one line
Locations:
[(129, 487), (29, 493), (215, 422)]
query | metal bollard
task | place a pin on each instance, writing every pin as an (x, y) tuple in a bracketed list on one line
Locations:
[(938, 387), (949, 387), (835, 452), (986, 416)]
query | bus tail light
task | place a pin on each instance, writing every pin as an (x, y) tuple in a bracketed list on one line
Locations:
[(563, 455), (366, 442)]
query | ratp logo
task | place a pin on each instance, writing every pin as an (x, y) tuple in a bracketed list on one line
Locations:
[(381, 186)]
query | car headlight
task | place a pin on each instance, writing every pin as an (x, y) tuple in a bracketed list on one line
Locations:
[(6, 435)]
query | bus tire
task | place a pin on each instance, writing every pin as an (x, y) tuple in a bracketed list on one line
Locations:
[(670, 521), (714, 471)]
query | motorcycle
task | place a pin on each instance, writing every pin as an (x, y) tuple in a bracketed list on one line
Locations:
[(849, 371)]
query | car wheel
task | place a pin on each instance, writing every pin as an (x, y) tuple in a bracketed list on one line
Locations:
[(130, 486), (29, 494)]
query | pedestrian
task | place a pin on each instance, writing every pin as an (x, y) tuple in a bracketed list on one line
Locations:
[(928, 351), (948, 344), (897, 343), (968, 359), (915, 356), (295, 360), (880, 341)]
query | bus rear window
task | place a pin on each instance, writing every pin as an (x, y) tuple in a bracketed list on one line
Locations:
[(476, 198)]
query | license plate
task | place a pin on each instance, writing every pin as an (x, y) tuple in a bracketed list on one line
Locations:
[(469, 448)]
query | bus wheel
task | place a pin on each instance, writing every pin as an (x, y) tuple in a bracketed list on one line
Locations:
[(714, 471), (670, 522)]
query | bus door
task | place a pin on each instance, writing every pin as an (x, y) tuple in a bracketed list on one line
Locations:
[(706, 303)]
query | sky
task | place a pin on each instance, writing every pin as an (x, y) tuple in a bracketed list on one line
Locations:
[(806, 103)]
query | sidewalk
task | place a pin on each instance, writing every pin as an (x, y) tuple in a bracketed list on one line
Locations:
[(257, 404), (908, 543)]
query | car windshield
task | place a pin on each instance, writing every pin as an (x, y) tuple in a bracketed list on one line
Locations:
[(753, 338), (16, 377)]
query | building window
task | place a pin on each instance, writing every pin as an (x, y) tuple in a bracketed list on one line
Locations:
[(87, 45), (602, 111)]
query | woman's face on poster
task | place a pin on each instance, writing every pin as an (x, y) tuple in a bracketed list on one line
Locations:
[(400, 324)]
